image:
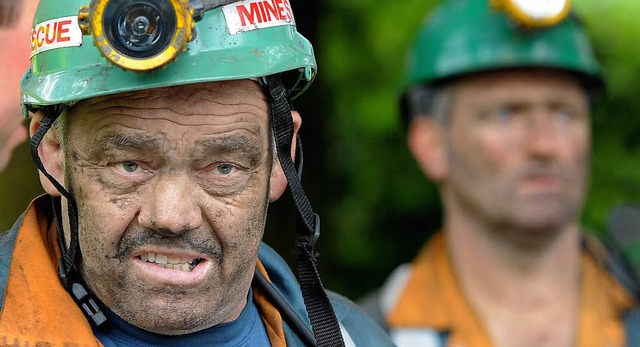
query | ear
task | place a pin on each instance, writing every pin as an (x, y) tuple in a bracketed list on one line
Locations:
[(278, 181), (427, 144), (50, 153)]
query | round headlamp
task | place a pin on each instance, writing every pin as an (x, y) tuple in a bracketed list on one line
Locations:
[(535, 13), (138, 35)]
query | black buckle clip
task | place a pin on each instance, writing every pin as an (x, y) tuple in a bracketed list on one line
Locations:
[(62, 273), (88, 305), (308, 241)]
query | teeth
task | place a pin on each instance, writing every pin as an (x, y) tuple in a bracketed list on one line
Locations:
[(170, 262), (161, 259)]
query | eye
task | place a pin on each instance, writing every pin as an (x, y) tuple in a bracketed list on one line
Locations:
[(129, 166), (565, 114), (225, 169), (503, 114)]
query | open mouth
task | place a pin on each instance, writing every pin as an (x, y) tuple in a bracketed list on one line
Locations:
[(168, 262)]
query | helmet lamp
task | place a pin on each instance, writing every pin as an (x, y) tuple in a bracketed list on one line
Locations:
[(535, 13), (138, 35)]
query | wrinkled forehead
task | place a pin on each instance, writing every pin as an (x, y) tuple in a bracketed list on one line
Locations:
[(225, 92), (187, 119), (520, 75), (201, 98)]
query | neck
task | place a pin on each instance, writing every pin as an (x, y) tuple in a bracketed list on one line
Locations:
[(518, 286), (500, 265)]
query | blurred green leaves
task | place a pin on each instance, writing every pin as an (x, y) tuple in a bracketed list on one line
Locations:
[(384, 207), (615, 29)]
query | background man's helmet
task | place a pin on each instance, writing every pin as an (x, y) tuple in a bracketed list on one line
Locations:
[(469, 36), (87, 48)]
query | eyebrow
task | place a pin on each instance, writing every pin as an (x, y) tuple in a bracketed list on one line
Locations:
[(243, 145), (235, 143), (120, 141), (10, 11)]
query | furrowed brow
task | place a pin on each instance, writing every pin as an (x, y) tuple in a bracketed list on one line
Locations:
[(118, 141), (230, 144)]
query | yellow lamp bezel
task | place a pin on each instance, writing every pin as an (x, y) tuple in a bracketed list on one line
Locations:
[(184, 26), (522, 17)]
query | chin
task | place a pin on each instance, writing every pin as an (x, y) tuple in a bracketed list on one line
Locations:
[(170, 319), (546, 214)]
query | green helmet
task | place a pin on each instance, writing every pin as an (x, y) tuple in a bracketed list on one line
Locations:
[(469, 36), (229, 40)]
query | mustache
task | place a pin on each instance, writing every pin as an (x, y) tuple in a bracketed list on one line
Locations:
[(139, 238)]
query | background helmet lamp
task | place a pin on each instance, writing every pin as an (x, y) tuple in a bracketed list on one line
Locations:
[(138, 35), (535, 13), (495, 35)]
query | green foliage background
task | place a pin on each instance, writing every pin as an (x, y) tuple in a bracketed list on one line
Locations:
[(377, 209)]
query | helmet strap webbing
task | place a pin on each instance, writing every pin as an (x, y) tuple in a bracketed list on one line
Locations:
[(66, 263), (321, 314)]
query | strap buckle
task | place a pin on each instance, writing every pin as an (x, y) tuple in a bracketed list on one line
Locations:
[(88, 304), (308, 241), (62, 274)]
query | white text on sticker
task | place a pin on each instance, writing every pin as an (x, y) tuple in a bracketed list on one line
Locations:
[(256, 14)]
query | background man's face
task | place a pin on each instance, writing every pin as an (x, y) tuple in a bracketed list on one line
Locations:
[(172, 188), (518, 147)]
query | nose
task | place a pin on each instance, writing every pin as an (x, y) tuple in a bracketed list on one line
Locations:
[(543, 136), (172, 206)]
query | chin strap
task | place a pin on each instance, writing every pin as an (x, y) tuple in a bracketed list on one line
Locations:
[(321, 314), (66, 263)]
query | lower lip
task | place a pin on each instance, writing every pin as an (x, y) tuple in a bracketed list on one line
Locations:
[(172, 277), (543, 182)]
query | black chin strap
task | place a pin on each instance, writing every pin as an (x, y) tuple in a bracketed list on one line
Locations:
[(66, 263), (321, 314)]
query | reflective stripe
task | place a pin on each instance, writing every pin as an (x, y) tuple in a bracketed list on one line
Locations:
[(406, 337), (393, 287), (416, 337), (348, 341)]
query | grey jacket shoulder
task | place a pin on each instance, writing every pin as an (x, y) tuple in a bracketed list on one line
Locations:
[(7, 243), (359, 328), (362, 329)]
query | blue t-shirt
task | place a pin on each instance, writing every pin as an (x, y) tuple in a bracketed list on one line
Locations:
[(247, 330)]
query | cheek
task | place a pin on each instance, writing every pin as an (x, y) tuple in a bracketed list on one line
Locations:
[(103, 219), (101, 228), (580, 146), (479, 150), (239, 226), (495, 149), (238, 222)]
